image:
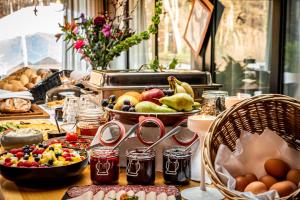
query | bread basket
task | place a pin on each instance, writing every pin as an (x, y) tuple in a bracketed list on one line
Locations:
[(277, 112)]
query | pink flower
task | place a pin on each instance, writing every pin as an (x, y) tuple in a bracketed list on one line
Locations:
[(106, 30), (99, 20), (79, 44), (75, 30)]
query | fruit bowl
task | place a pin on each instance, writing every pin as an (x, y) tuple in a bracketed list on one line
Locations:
[(43, 175), (169, 119), (31, 164)]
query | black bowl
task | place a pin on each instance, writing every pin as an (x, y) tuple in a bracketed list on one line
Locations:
[(23, 175)]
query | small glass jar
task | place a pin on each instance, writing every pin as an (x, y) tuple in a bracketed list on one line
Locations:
[(177, 165), (213, 102), (104, 165), (140, 166), (88, 122)]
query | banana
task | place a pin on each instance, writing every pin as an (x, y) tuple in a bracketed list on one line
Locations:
[(180, 87)]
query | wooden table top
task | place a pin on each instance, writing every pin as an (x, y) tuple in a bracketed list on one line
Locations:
[(11, 191)]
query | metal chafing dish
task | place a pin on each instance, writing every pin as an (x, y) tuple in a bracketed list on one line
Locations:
[(118, 82)]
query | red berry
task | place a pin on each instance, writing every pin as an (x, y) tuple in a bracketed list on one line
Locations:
[(8, 164), (13, 151), (20, 164), (27, 164), (7, 160), (40, 151), (71, 137), (66, 150), (34, 164), (19, 155), (65, 155), (68, 159)]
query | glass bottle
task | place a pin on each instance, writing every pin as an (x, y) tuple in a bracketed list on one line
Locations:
[(213, 102)]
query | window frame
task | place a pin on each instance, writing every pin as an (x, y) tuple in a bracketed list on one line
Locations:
[(276, 59)]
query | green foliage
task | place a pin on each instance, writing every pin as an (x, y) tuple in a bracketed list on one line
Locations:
[(173, 63), (99, 40)]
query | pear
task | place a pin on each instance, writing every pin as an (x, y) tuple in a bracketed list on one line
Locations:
[(150, 107), (179, 101), (121, 99)]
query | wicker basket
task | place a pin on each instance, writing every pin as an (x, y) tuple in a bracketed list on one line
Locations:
[(277, 112)]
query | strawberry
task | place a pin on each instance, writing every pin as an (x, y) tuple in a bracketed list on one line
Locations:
[(20, 164), (15, 151), (8, 164), (27, 164), (71, 137), (7, 160), (19, 155), (40, 151), (68, 158), (34, 164), (65, 155)]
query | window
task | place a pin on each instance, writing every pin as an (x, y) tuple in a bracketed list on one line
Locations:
[(29, 39), (292, 50), (242, 46), (171, 31), (169, 42)]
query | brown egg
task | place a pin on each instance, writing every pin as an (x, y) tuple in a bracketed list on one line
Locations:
[(284, 188), (251, 177), (277, 168), (241, 183), (268, 180), (294, 176), (256, 187)]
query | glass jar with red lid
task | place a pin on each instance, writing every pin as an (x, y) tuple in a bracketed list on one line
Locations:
[(88, 121), (177, 165), (104, 165), (140, 166)]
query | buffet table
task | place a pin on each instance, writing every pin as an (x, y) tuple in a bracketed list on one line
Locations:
[(11, 191)]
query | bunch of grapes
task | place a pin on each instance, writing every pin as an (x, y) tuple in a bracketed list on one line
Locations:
[(110, 102), (168, 92), (127, 106)]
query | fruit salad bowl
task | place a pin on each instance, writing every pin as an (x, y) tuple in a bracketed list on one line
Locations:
[(169, 119), (31, 172)]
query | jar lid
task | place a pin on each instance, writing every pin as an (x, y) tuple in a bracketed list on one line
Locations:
[(140, 153), (104, 152), (214, 93), (89, 114), (177, 152)]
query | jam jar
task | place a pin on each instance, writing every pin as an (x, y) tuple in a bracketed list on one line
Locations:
[(88, 122), (104, 164), (140, 166), (177, 165)]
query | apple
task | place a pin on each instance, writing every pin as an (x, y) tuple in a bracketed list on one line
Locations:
[(152, 95)]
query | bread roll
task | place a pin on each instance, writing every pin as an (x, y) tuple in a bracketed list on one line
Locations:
[(24, 79), (15, 105), (7, 86)]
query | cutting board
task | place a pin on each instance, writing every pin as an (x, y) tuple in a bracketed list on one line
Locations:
[(35, 112)]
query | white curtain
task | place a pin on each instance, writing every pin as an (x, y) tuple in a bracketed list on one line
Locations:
[(138, 55)]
